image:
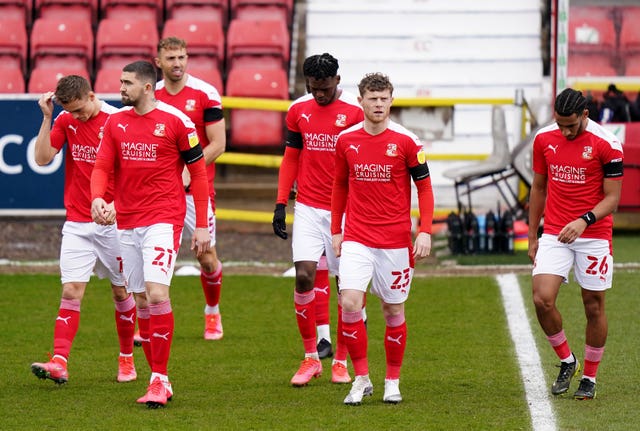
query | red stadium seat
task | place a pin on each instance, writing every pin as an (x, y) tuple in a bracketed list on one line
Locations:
[(590, 65), (591, 29), (61, 43), (13, 45), (108, 81), (210, 75), (257, 44), (133, 9), (205, 41), (198, 10), (16, 9), (42, 80), (257, 128), (630, 33), (632, 65), (12, 81), (68, 9), (121, 41), (262, 10)]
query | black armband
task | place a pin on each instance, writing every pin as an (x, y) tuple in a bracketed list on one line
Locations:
[(589, 217)]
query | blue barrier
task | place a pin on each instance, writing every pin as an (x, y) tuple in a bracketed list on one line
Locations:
[(25, 186)]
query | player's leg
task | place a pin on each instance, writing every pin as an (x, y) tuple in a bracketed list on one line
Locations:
[(110, 265), (391, 283), (307, 247), (77, 261), (551, 269), (356, 270), (594, 273), (322, 289), (160, 244)]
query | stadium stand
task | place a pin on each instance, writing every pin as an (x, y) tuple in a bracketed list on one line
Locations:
[(46, 79), (205, 41), (120, 41), (198, 10), (16, 9), (278, 10), (133, 9), (584, 64), (68, 9), (257, 44), (12, 81), (210, 75), (13, 45), (591, 30), (630, 32), (61, 43), (257, 128), (108, 80)]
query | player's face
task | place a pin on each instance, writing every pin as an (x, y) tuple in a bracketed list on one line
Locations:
[(325, 90), (173, 63), (131, 89), (81, 109), (376, 105), (571, 126)]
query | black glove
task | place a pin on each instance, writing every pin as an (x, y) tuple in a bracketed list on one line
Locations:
[(279, 221)]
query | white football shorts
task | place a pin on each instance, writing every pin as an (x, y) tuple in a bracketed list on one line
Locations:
[(150, 254), (593, 268), (312, 236), (389, 270), (190, 220), (89, 247)]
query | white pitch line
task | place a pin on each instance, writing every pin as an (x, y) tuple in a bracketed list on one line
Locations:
[(542, 416)]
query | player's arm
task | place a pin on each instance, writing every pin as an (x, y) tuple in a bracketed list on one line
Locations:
[(215, 129), (287, 174), (194, 161), (537, 202), (422, 179), (339, 194), (101, 211), (44, 151)]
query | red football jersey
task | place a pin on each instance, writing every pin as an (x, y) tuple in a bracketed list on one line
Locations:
[(319, 127), (375, 170), (201, 102), (575, 172), (82, 140), (145, 151)]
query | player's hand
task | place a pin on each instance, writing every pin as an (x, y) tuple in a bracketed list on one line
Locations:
[(110, 213), (280, 221), (572, 231), (45, 102), (336, 244), (422, 245), (533, 248), (99, 211), (200, 240)]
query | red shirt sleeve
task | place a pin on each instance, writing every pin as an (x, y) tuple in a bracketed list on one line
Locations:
[(425, 204), (339, 192), (200, 191), (287, 174)]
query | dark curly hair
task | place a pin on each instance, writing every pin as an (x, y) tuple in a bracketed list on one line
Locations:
[(320, 66)]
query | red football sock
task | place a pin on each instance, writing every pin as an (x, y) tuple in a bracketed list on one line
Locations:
[(143, 326), (341, 347), (125, 314), (211, 285), (306, 318), (321, 287), (161, 329), (395, 342), (592, 358), (560, 345), (66, 327), (356, 340)]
